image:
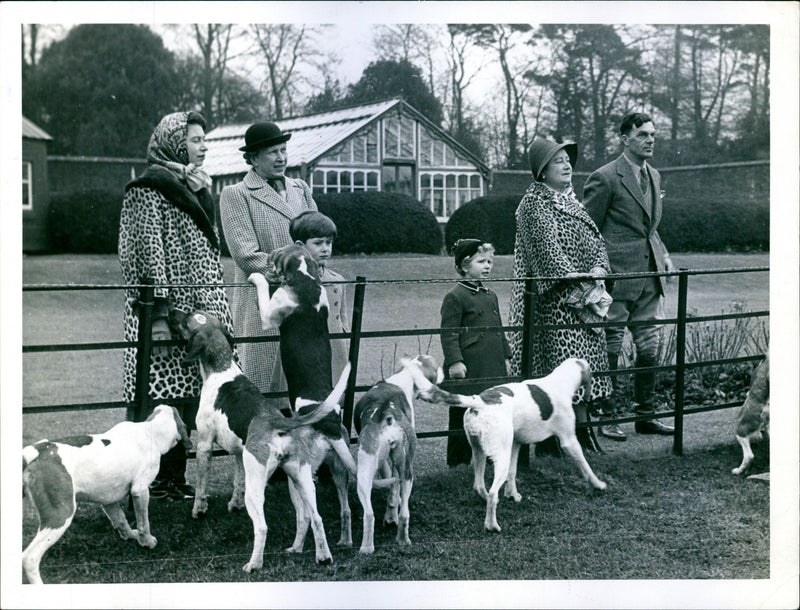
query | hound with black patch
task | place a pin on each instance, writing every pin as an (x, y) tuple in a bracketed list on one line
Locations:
[(299, 308), (753, 420), (384, 419), (501, 419), (100, 468)]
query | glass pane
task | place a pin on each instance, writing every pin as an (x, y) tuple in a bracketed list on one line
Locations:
[(424, 147), (358, 179), (450, 157), (425, 180), (475, 181), (388, 179), (463, 197), (450, 197), (333, 180), (318, 190), (407, 138), (344, 181), (405, 180), (359, 149), (438, 153), (390, 147), (438, 180), (372, 145), (462, 181), (438, 203), (317, 178), (25, 200), (450, 181), (372, 180)]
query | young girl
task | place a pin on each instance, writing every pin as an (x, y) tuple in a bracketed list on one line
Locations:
[(469, 352)]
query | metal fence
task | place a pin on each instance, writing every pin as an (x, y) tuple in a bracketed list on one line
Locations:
[(142, 404)]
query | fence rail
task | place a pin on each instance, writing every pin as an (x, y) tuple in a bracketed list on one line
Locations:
[(142, 403)]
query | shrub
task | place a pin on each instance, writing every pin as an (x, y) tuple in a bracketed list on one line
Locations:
[(85, 222), (374, 222), (490, 218)]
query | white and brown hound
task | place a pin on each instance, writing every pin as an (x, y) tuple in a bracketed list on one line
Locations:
[(384, 420), (242, 421), (100, 468), (753, 420), (299, 308), (501, 419)]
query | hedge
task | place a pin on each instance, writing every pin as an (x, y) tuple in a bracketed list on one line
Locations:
[(374, 222), (84, 222), (490, 218), (688, 224)]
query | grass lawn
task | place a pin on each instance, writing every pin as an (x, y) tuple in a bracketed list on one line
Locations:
[(663, 517)]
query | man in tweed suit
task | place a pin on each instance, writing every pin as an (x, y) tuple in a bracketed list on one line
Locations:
[(255, 217), (624, 200)]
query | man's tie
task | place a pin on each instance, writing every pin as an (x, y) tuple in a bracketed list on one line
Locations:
[(644, 180)]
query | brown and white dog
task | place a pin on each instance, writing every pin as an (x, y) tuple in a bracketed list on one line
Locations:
[(753, 420), (384, 420), (100, 468), (242, 421), (501, 419)]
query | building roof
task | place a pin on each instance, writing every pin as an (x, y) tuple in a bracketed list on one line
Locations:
[(32, 131), (313, 136)]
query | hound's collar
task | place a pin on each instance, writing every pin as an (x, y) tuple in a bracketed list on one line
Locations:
[(473, 286)]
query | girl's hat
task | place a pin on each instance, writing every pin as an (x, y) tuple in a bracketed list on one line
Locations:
[(464, 248), (542, 151)]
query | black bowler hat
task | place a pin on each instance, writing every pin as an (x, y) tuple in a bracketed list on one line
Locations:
[(262, 135)]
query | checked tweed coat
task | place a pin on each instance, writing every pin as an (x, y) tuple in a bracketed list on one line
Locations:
[(255, 220)]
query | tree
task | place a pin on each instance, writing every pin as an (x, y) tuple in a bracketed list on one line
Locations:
[(103, 88), (384, 79), (502, 39), (410, 42), (235, 101), (284, 48)]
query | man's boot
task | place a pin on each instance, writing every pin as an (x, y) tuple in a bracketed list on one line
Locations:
[(609, 405), (644, 392)]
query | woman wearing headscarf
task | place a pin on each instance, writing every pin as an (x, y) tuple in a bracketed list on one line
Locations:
[(255, 216), (556, 237), (168, 233)]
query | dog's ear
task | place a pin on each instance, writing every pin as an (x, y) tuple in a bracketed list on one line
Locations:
[(195, 347), (183, 431)]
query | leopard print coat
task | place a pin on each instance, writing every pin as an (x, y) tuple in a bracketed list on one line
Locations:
[(556, 236), (167, 234)]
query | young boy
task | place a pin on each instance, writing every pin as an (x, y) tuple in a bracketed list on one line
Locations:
[(468, 353), (316, 232)]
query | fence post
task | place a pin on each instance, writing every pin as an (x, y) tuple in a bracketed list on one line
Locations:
[(527, 313), (144, 348), (680, 360), (355, 340)]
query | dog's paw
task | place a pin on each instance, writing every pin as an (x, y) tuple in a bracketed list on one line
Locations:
[(235, 504), (252, 565), (294, 549), (738, 470), (200, 507), (146, 540), (367, 549), (324, 560), (514, 495), (493, 528)]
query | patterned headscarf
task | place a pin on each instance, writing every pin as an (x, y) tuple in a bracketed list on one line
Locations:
[(167, 147)]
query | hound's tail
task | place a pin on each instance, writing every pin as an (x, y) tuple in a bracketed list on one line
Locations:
[(330, 404), (431, 393)]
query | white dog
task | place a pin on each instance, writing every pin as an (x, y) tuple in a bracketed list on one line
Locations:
[(753, 420), (101, 468), (384, 419), (501, 419)]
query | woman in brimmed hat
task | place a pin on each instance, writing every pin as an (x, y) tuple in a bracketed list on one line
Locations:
[(255, 218), (557, 238)]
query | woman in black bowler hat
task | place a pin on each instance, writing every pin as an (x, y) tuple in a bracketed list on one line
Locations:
[(255, 217)]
